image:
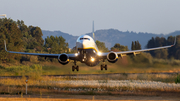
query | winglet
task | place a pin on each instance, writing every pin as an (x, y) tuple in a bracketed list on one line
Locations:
[(174, 42), (5, 45)]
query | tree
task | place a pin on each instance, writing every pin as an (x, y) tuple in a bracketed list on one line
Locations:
[(37, 34), (138, 45), (135, 45), (132, 46), (175, 50), (118, 47), (32, 36), (101, 46), (56, 45), (151, 43), (161, 54), (12, 34), (158, 42), (172, 50), (24, 29)]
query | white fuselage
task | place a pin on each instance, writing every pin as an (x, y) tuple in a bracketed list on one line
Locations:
[(87, 50), (86, 42)]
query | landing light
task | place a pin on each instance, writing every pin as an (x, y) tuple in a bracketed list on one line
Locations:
[(99, 53), (92, 59), (76, 54)]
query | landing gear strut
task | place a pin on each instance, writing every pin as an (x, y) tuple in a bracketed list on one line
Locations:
[(103, 65), (75, 67)]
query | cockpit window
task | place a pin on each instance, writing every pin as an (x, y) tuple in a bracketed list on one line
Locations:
[(84, 39)]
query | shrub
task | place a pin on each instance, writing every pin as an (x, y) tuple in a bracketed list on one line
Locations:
[(2, 67), (36, 67), (177, 80), (142, 57)]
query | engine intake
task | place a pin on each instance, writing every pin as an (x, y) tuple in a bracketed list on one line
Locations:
[(63, 59), (112, 57)]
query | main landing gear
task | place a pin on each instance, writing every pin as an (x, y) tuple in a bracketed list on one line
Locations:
[(75, 67), (103, 65)]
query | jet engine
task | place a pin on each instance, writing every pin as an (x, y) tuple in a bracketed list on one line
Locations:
[(63, 59), (112, 57)]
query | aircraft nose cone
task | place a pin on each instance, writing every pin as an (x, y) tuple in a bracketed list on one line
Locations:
[(85, 44), (82, 44)]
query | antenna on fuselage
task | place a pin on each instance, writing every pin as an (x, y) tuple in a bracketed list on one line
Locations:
[(93, 31)]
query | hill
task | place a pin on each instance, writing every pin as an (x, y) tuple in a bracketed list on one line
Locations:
[(69, 38), (111, 36)]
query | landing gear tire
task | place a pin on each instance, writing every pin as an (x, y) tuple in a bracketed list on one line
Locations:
[(104, 66), (101, 67), (77, 68), (73, 68)]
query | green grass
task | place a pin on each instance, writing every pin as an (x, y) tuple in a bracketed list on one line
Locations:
[(51, 68)]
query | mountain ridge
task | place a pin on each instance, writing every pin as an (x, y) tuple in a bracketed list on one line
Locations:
[(111, 36)]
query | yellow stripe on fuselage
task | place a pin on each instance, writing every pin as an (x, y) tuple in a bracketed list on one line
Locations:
[(89, 48)]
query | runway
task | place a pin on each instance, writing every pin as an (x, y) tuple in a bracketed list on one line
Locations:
[(66, 97)]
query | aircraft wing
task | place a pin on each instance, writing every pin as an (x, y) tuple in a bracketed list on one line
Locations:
[(71, 56), (138, 51), (134, 52)]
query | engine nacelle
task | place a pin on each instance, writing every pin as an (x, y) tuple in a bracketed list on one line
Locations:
[(112, 57), (63, 59)]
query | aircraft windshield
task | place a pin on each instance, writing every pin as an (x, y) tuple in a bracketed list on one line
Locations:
[(84, 39)]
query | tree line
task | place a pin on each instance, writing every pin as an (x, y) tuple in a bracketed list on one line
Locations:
[(20, 37), (173, 52)]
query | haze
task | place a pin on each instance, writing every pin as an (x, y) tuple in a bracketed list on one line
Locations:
[(75, 16)]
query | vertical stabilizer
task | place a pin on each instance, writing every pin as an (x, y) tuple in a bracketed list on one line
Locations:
[(93, 31)]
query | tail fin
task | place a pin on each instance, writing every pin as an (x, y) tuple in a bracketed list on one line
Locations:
[(93, 31)]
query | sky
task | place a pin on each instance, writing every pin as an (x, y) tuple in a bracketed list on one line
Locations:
[(76, 16)]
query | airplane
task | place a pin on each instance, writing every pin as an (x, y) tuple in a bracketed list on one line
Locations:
[(88, 53)]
